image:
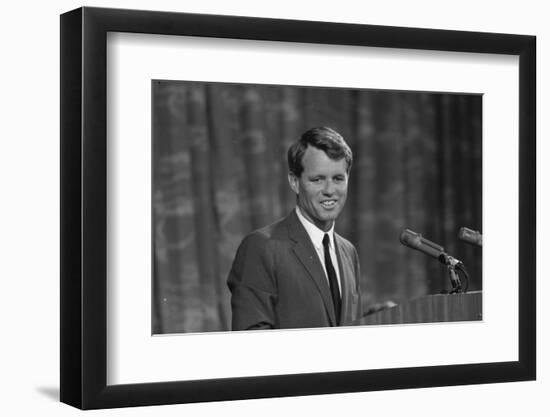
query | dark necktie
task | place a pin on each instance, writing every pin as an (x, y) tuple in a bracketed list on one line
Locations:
[(333, 281)]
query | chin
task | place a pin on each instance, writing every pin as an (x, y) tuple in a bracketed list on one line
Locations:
[(329, 217)]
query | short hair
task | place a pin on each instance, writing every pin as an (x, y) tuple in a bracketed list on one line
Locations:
[(323, 138)]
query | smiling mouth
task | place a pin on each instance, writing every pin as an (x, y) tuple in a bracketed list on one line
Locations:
[(328, 204)]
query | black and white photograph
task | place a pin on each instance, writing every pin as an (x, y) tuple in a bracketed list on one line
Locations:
[(285, 207)]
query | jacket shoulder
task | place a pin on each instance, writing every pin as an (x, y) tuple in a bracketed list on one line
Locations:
[(273, 231), (261, 245), (345, 244)]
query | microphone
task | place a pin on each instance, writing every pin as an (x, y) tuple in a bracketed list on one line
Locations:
[(470, 236), (416, 241)]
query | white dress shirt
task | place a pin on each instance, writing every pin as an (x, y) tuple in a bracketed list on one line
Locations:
[(316, 235)]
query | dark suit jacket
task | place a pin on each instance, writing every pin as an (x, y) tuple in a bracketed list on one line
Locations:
[(277, 280)]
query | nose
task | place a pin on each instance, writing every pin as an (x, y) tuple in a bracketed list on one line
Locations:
[(329, 188)]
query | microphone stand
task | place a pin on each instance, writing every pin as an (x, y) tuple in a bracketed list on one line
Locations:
[(455, 280), (454, 265)]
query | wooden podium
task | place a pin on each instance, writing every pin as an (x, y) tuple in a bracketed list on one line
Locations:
[(430, 309)]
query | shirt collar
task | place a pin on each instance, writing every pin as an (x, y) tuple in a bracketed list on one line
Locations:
[(315, 234)]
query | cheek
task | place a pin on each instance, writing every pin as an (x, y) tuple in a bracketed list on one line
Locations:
[(342, 194), (305, 195), (309, 193), (311, 199)]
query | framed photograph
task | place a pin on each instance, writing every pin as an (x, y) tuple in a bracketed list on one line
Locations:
[(257, 208)]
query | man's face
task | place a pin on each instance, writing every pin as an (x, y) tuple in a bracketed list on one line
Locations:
[(322, 188)]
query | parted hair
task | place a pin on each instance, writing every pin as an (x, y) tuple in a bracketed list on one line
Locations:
[(323, 138)]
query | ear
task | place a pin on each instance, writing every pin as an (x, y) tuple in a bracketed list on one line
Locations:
[(293, 181)]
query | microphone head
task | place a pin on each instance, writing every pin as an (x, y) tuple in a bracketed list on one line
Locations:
[(470, 236), (416, 241), (411, 239)]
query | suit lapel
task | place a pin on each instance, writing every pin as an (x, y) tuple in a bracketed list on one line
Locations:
[(305, 252), (343, 262)]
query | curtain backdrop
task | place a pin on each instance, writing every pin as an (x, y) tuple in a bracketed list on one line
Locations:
[(219, 172)]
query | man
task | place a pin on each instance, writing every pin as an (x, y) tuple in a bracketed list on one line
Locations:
[(297, 272)]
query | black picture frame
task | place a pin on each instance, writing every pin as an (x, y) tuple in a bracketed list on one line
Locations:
[(84, 179)]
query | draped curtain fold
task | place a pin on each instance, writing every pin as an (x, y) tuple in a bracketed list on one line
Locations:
[(220, 171)]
